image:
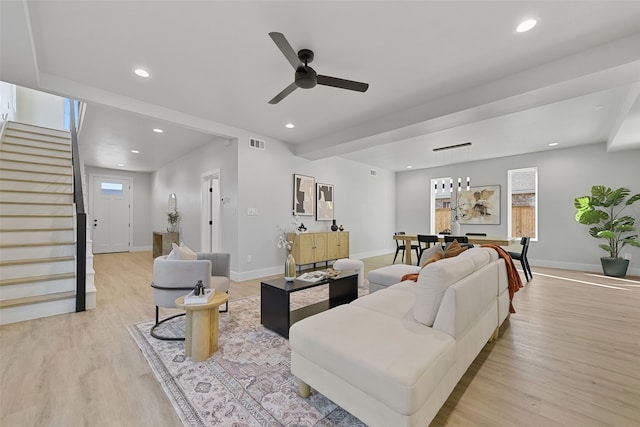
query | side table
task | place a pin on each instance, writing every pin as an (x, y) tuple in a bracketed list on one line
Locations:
[(201, 339)]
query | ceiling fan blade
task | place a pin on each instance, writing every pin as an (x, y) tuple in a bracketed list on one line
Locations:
[(342, 83), (287, 90), (286, 49)]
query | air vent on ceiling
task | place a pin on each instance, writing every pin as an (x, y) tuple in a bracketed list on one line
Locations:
[(374, 172), (258, 144)]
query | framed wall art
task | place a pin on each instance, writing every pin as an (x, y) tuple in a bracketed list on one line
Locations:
[(324, 202), (479, 205), (304, 195)]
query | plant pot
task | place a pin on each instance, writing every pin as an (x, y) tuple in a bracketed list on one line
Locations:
[(614, 267)]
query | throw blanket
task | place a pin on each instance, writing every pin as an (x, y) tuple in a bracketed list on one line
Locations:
[(515, 283)]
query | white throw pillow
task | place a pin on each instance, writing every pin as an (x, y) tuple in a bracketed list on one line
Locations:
[(430, 252), (182, 252)]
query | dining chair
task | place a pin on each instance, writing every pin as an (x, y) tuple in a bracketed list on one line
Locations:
[(449, 239), (403, 247), (476, 234), (428, 239), (522, 256)]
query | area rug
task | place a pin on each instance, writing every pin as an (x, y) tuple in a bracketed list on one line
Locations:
[(247, 382)]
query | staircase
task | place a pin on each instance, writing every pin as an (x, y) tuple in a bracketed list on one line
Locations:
[(37, 225)]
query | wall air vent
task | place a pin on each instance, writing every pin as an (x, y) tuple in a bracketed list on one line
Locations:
[(258, 144), (373, 172)]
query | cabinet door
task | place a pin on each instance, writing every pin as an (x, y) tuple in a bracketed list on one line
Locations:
[(303, 248), (343, 245), (333, 242), (320, 247)]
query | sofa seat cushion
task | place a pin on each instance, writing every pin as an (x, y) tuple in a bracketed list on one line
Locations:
[(393, 301), (395, 360), (391, 274)]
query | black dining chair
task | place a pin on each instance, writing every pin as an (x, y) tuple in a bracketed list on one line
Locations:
[(403, 247), (476, 234), (463, 240), (522, 256), (428, 239)]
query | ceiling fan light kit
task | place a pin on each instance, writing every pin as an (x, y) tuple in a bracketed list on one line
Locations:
[(306, 77)]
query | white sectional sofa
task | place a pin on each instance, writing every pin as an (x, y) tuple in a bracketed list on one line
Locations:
[(392, 358)]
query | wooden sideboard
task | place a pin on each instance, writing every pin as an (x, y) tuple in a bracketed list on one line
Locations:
[(162, 241), (309, 248)]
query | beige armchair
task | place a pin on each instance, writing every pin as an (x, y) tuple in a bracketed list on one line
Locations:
[(174, 278)]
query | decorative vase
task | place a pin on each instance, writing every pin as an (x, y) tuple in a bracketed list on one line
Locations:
[(614, 267), (455, 228), (171, 228), (341, 227), (334, 226), (289, 268)]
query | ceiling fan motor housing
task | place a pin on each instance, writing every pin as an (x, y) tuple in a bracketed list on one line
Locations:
[(306, 77)]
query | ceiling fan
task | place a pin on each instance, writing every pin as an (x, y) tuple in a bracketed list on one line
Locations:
[(305, 76)]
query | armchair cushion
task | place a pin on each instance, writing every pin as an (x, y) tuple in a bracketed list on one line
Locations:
[(220, 269)]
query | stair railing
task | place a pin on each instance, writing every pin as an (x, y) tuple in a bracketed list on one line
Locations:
[(81, 216)]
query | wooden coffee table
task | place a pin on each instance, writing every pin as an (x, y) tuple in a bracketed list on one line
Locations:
[(275, 308), (201, 339)]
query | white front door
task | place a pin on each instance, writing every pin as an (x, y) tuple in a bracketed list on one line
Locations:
[(110, 213)]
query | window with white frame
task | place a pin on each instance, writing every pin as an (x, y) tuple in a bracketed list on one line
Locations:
[(440, 205), (523, 202)]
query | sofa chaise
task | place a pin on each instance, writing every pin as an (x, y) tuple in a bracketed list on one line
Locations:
[(392, 358)]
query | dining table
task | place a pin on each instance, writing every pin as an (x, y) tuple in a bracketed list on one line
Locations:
[(476, 240)]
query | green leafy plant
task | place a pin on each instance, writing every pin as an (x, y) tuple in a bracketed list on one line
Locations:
[(173, 217), (603, 209)]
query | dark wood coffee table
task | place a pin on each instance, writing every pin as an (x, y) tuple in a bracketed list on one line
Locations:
[(275, 308)]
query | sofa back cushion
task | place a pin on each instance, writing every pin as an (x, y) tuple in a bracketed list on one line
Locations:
[(432, 283)]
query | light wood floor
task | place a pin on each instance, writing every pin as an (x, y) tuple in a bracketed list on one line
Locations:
[(569, 356)]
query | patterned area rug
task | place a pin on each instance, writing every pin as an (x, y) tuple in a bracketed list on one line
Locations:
[(247, 382)]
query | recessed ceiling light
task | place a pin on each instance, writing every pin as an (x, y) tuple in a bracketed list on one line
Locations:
[(409, 166), (598, 107), (289, 125), (526, 25), (553, 144), (158, 130), (135, 151), (142, 72), (120, 164)]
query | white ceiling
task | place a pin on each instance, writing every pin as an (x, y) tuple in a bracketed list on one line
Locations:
[(440, 73)]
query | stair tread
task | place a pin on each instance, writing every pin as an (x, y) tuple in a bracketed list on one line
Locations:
[(36, 260), (35, 203), (35, 181), (37, 299), (21, 280), (37, 172), (36, 216), (26, 245), (28, 230)]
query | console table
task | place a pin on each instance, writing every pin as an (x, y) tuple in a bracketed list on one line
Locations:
[(275, 307), (162, 241)]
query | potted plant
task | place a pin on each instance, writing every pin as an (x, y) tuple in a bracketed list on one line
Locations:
[(172, 218), (603, 209)]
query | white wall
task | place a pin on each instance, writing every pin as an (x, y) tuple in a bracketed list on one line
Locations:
[(7, 102), (39, 108), (141, 196), (563, 175), (263, 180)]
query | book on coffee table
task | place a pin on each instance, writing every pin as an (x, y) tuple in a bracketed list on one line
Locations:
[(199, 299), (313, 276)]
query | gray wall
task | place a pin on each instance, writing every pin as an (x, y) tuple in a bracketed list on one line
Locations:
[(263, 180), (563, 174)]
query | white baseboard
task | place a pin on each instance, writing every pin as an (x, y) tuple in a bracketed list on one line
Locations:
[(594, 268), (141, 248)]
